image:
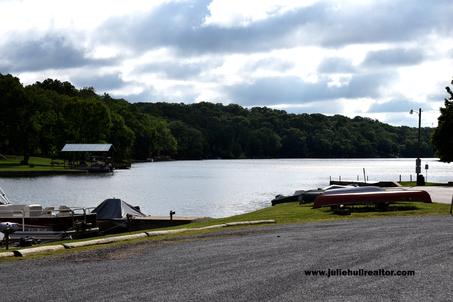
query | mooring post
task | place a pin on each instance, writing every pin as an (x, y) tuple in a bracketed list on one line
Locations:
[(7, 239), (451, 205)]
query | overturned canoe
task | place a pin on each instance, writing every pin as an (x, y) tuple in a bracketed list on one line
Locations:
[(310, 195), (326, 200)]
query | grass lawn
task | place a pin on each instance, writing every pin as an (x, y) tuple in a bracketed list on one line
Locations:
[(294, 213), (12, 163)]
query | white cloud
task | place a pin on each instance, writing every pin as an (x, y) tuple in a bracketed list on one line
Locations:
[(331, 56), (232, 13)]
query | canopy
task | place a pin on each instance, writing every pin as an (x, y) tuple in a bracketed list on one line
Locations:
[(115, 208), (86, 148)]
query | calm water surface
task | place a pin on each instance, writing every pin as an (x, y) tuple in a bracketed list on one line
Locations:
[(214, 188)]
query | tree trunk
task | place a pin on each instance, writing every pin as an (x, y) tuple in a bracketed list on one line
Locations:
[(26, 159)]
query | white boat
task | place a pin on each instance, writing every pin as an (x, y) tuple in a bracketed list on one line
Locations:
[(46, 222)]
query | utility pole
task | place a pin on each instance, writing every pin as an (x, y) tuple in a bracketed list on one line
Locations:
[(418, 161)]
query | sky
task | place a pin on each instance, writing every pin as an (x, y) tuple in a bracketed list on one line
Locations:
[(376, 59)]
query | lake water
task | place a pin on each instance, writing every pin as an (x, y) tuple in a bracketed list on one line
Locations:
[(214, 188)]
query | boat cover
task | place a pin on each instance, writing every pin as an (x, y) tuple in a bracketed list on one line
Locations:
[(115, 208)]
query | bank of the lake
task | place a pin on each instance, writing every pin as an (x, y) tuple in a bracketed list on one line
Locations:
[(288, 213), (212, 188)]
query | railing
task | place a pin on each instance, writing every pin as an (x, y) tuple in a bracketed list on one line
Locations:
[(72, 211), (3, 198)]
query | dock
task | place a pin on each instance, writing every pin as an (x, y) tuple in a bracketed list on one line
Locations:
[(368, 183)]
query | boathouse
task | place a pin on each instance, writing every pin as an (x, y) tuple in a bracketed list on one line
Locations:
[(91, 157)]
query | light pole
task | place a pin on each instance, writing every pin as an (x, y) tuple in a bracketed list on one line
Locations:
[(418, 161)]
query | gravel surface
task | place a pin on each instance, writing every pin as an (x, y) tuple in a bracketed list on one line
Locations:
[(253, 264)]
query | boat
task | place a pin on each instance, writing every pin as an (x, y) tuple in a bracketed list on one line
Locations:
[(286, 198), (352, 189), (47, 223), (303, 196), (114, 215), (382, 198), (310, 195)]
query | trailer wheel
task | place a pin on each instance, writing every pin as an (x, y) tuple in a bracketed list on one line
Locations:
[(382, 206)]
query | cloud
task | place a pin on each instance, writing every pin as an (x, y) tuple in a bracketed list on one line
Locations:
[(336, 65), (181, 26), (178, 69), (394, 57), (173, 94), (383, 22), (269, 64), (395, 106), (298, 54), (104, 82), (47, 52), (293, 90), (327, 107)]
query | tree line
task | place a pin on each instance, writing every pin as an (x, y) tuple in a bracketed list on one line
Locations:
[(39, 119)]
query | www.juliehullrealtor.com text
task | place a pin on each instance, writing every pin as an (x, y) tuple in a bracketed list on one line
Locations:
[(359, 273)]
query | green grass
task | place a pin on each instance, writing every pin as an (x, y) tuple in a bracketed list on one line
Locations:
[(294, 213), (283, 214), (12, 163)]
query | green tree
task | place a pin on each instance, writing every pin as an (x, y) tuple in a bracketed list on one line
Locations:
[(18, 118), (443, 134), (190, 141)]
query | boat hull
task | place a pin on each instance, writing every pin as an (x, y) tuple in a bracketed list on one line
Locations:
[(54, 223)]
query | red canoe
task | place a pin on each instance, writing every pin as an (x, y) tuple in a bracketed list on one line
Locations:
[(325, 200)]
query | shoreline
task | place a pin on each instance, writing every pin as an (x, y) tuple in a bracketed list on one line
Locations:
[(31, 173)]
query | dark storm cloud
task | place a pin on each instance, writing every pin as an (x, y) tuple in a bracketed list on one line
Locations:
[(336, 65), (287, 90), (394, 57), (180, 25), (395, 106), (48, 52)]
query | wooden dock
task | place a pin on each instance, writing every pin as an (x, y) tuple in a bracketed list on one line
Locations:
[(368, 183)]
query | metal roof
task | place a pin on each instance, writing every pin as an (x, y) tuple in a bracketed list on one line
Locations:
[(86, 148)]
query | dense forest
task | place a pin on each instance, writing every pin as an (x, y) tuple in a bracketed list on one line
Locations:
[(39, 119)]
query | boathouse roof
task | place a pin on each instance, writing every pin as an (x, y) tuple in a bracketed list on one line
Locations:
[(86, 148)]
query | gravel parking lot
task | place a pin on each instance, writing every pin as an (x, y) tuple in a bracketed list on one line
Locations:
[(268, 263)]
